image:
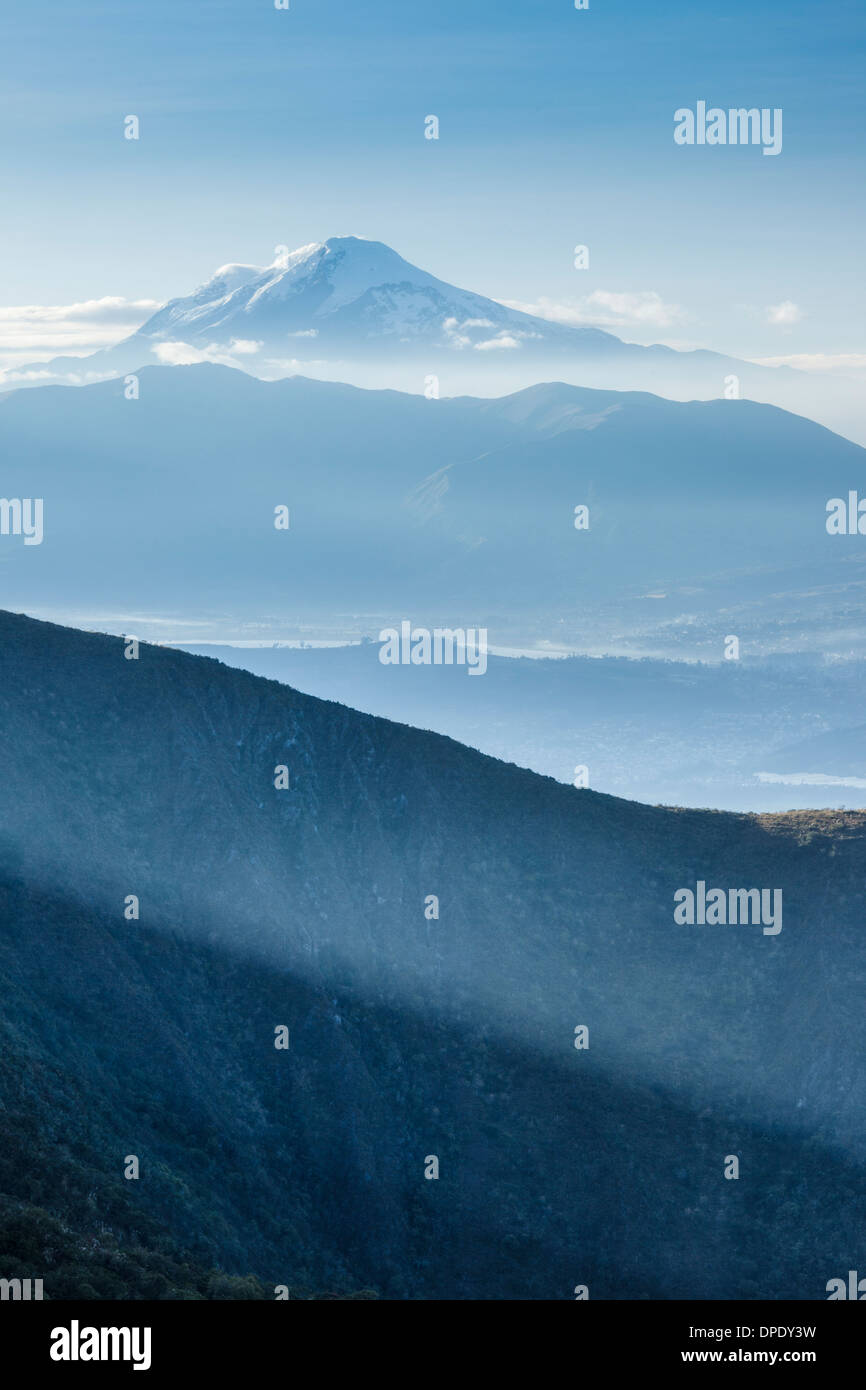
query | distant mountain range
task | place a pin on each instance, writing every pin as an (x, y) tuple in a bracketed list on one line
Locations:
[(704, 519), (435, 929), (353, 310), (838, 753)]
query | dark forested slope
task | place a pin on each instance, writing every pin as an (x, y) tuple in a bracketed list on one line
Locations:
[(411, 1035)]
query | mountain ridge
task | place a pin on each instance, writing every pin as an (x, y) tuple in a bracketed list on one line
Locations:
[(352, 309), (349, 299), (410, 1035), (461, 508)]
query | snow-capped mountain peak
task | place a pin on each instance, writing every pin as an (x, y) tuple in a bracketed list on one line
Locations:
[(353, 293)]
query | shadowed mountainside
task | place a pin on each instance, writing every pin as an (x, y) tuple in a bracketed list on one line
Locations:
[(410, 1037), (681, 733)]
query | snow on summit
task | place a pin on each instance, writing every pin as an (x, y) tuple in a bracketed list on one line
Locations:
[(349, 291), (354, 310)]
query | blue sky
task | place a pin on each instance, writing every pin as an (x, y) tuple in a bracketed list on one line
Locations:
[(261, 127)]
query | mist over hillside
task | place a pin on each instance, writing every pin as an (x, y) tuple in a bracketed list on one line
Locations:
[(414, 1034)]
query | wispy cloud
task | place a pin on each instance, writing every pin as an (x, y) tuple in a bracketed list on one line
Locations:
[(502, 340), (785, 313), (29, 332), (177, 354), (459, 335), (607, 308)]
